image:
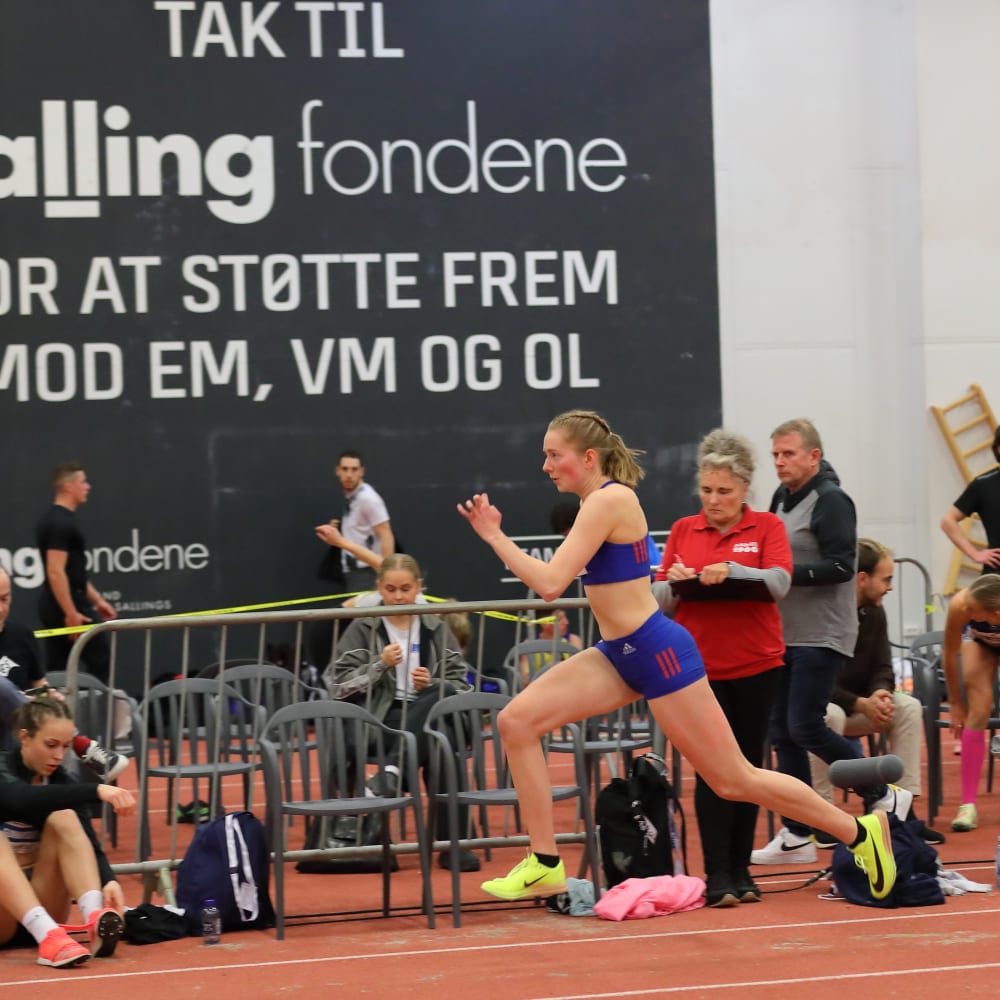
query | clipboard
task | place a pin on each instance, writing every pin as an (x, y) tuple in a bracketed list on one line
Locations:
[(729, 590)]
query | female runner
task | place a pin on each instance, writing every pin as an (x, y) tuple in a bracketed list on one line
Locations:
[(642, 653)]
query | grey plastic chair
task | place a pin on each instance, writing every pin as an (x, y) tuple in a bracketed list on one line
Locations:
[(269, 687), (193, 729), (608, 737), (94, 715), (540, 654), (328, 780)]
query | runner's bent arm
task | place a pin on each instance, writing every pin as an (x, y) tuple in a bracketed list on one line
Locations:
[(548, 580)]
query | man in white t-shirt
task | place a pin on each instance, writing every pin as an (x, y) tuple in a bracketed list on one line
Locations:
[(360, 539), (364, 522)]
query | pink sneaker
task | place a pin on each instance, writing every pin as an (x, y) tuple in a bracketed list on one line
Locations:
[(60, 951)]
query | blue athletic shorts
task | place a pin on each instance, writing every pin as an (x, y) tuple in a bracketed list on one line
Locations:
[(656, 659)]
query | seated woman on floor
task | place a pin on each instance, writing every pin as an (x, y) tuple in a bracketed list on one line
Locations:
[(49, 853)]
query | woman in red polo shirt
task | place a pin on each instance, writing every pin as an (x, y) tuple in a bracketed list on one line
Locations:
[(738, 631)]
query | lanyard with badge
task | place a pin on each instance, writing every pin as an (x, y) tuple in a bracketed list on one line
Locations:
[(410, 643)]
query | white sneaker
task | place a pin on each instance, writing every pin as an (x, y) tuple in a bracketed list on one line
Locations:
[(896, 800), (787, 848)]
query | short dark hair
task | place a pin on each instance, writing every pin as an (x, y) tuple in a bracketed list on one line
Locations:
[(350, 453), (63, 472), (996, 444)]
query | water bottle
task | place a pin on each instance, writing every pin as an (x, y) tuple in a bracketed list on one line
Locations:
[(211, 923), (997, 865)]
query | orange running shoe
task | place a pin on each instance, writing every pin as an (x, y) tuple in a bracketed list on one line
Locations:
[(60, 951)]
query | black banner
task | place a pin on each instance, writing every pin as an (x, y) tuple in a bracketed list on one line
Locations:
[(240, 236)]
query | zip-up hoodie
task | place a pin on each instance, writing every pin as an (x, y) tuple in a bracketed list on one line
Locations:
[(358, 672), (820, 608)]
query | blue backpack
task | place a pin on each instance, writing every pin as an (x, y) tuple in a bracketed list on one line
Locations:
[(916, 871), (227, 861)]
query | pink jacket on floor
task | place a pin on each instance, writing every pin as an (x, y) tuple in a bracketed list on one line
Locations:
[(658, 896)]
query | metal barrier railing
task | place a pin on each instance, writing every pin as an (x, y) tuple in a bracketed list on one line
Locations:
[(510, 614), (513, 621), (911, 619), (904, 592)]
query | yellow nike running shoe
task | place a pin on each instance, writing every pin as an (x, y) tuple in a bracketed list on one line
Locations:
[(528, 879), (874, 854)]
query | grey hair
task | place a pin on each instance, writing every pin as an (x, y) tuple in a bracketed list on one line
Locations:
[(722, 449)]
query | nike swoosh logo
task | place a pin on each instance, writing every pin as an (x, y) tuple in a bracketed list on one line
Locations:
[(533, 881), (794, 847), (879, 883)]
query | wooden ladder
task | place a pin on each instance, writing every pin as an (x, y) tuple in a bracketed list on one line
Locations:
[(968, 426)]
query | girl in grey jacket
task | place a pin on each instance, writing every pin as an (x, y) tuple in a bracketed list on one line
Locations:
[(381, 663), (399, 666)]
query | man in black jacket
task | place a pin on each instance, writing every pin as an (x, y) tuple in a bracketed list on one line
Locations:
[(817, 618)]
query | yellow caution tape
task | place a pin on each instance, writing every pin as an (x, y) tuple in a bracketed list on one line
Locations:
[(263, 607), (502, 616), (46, 633), (76, 629)]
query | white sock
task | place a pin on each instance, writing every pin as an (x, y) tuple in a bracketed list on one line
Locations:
[(90, 902), (38, 923)]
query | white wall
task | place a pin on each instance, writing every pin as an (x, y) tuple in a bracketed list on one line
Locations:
[(857, 159), (958, 98)]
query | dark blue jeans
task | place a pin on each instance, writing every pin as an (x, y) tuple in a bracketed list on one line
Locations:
[(798, 720)]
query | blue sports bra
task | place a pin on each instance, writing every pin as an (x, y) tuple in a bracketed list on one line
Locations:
[(614, 562)]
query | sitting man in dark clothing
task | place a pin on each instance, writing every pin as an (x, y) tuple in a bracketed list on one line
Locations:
[(865, 699)]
